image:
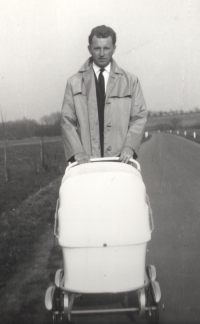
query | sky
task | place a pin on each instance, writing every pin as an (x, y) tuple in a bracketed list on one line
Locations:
[(44, 42)]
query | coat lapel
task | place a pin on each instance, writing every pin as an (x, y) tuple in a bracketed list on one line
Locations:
[(111, 82), (88, 77), (89, 82), (114, 76), (90, 91)]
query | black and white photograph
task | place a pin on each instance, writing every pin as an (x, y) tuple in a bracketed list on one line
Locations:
[(99, 161)]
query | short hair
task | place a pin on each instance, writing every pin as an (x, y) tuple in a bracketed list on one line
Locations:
[(102, 32)]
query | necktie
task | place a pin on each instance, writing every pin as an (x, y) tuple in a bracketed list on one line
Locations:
[(102, 81)]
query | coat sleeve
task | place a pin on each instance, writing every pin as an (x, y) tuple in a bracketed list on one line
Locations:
[(69, 122), (137, 120)]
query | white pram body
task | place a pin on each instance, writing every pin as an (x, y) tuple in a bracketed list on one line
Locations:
[(103, 222), (104, 227)]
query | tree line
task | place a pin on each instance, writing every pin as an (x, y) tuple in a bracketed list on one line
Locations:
[(49, 125), (172, 112)]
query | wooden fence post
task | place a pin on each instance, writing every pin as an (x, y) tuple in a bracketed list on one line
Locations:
[(42, 151), (5, 149)]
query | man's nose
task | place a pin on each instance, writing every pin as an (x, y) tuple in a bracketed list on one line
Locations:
[(101, 52)]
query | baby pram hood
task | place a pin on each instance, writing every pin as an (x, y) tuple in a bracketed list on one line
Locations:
[(103, 204)]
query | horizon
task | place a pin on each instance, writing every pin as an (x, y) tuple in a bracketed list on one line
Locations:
[(151, 113)]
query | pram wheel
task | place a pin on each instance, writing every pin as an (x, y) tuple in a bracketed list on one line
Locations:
[(142, 302), (155, 314), (54, 304), (57, 319), (49, 297), (151, 272), (59, 277), (68, 304)]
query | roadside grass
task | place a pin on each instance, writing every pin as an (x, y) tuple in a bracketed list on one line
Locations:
[(25, 208), (26, 175), (22, 228)]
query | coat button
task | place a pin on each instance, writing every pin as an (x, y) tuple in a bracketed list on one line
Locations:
[(109, 148)]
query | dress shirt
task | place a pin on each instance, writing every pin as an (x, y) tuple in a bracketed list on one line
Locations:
[(106, 73)]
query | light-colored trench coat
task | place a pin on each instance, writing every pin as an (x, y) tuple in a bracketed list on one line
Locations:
[(124, 115)]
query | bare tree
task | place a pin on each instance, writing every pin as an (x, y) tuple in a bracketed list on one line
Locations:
[(196, 109), (51, 119)]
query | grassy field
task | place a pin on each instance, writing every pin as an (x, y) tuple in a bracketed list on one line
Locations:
[(25, 172), (26, 208)]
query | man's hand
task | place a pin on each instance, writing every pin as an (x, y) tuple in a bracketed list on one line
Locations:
[(126, 154), (82, 158)]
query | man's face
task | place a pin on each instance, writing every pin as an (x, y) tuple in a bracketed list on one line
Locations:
[(102, 50)]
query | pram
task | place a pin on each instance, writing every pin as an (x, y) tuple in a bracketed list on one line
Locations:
[(103, 222)]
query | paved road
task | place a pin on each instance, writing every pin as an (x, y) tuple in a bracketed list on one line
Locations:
[(170, 169), (171, 172)]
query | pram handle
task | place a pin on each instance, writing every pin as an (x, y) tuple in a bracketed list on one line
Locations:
[(56, 219), (71, 165), (150, 214)]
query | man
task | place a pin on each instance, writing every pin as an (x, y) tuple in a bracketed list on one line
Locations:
[(104, 112)]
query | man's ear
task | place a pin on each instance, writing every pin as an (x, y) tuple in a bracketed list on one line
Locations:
[(114, 49), (89, 49)]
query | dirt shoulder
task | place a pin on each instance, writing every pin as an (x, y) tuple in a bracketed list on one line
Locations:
[(23, 295)]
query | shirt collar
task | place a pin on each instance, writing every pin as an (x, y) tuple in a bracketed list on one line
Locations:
[(88, 67), (97, 68)]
